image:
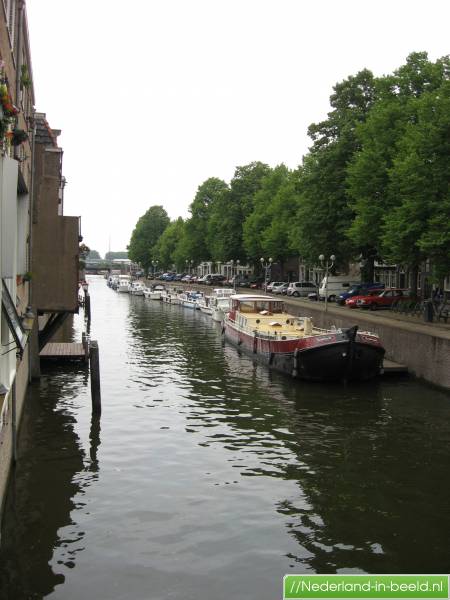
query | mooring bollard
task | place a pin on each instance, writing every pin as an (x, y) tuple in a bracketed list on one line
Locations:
[(94, 364)]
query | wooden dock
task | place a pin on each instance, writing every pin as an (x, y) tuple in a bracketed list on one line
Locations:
[(64, 351)]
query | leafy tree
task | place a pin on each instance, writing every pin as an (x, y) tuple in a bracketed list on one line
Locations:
[(264, 230), (93, 254), (146, 234), (368, 181), (230, 210), (165, 250), (418, 226), (196, 231), (324, 213)]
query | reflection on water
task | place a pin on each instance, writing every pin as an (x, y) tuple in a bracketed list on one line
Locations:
[(212, 476)]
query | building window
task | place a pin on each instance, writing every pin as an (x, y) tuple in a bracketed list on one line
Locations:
[(10, 10)]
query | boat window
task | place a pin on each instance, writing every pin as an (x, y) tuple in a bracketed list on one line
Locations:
[(246, 307), (277, 307)]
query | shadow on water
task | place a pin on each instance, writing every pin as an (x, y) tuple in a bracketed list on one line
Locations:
[(44, 485)]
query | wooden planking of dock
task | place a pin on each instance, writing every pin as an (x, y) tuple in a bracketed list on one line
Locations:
[(64, 351)]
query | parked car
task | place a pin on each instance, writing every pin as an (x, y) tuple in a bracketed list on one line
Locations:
[(334, 285), (384, 300), (168, 276), (352, 302), (212, 279), (301, 288), (256, 284), (187, 278), (271, 284), (361, 289), (280, 288)]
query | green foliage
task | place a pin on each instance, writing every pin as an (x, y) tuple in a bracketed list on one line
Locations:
[(230, 210), (93, 254), (146, 234), (418, 225), (324, 211), (196, 247), (265, 230), (169, 248), (382, 172)]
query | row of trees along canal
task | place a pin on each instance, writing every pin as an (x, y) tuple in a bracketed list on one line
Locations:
[(374, 185)]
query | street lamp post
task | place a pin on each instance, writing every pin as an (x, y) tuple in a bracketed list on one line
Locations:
[(327, 266), (189, 265), (234, 271), (266, 265), (154, 265)]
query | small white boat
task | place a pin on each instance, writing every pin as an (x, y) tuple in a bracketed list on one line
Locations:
[(205, 306), (123, 284), (190, 299), (169, 296), (137, 288), (155, 292), (220, 303)]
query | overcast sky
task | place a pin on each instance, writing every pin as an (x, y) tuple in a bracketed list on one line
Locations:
[(155, 96)]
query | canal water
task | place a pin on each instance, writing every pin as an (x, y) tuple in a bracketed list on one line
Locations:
[(210, 477)]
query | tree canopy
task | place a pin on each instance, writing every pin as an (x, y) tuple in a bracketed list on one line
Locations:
[(146, 234)]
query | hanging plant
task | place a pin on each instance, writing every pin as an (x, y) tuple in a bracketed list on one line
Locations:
[(25, 80), (9, 110), (18, 137)]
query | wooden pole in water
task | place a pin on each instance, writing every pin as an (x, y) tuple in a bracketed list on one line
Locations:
[(87, 307), (94, 364)]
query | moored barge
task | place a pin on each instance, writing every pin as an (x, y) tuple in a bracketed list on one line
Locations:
[(260, 326)]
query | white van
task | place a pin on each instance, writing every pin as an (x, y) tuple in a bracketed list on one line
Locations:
[(336, 284)]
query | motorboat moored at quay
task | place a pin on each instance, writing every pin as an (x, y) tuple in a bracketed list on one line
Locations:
[(260, 326), (190, 299), (221, 303), (123, 284), (137, 288), (155, 292)]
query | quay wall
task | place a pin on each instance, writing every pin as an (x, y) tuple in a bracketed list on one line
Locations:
[(424, 350)]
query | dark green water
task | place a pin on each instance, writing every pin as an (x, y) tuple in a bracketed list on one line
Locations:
[(210, 477)]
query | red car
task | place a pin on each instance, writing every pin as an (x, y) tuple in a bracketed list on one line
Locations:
[(353, 301), (384, 300)]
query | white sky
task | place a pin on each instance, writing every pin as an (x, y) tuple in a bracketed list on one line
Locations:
[(155, 96)]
